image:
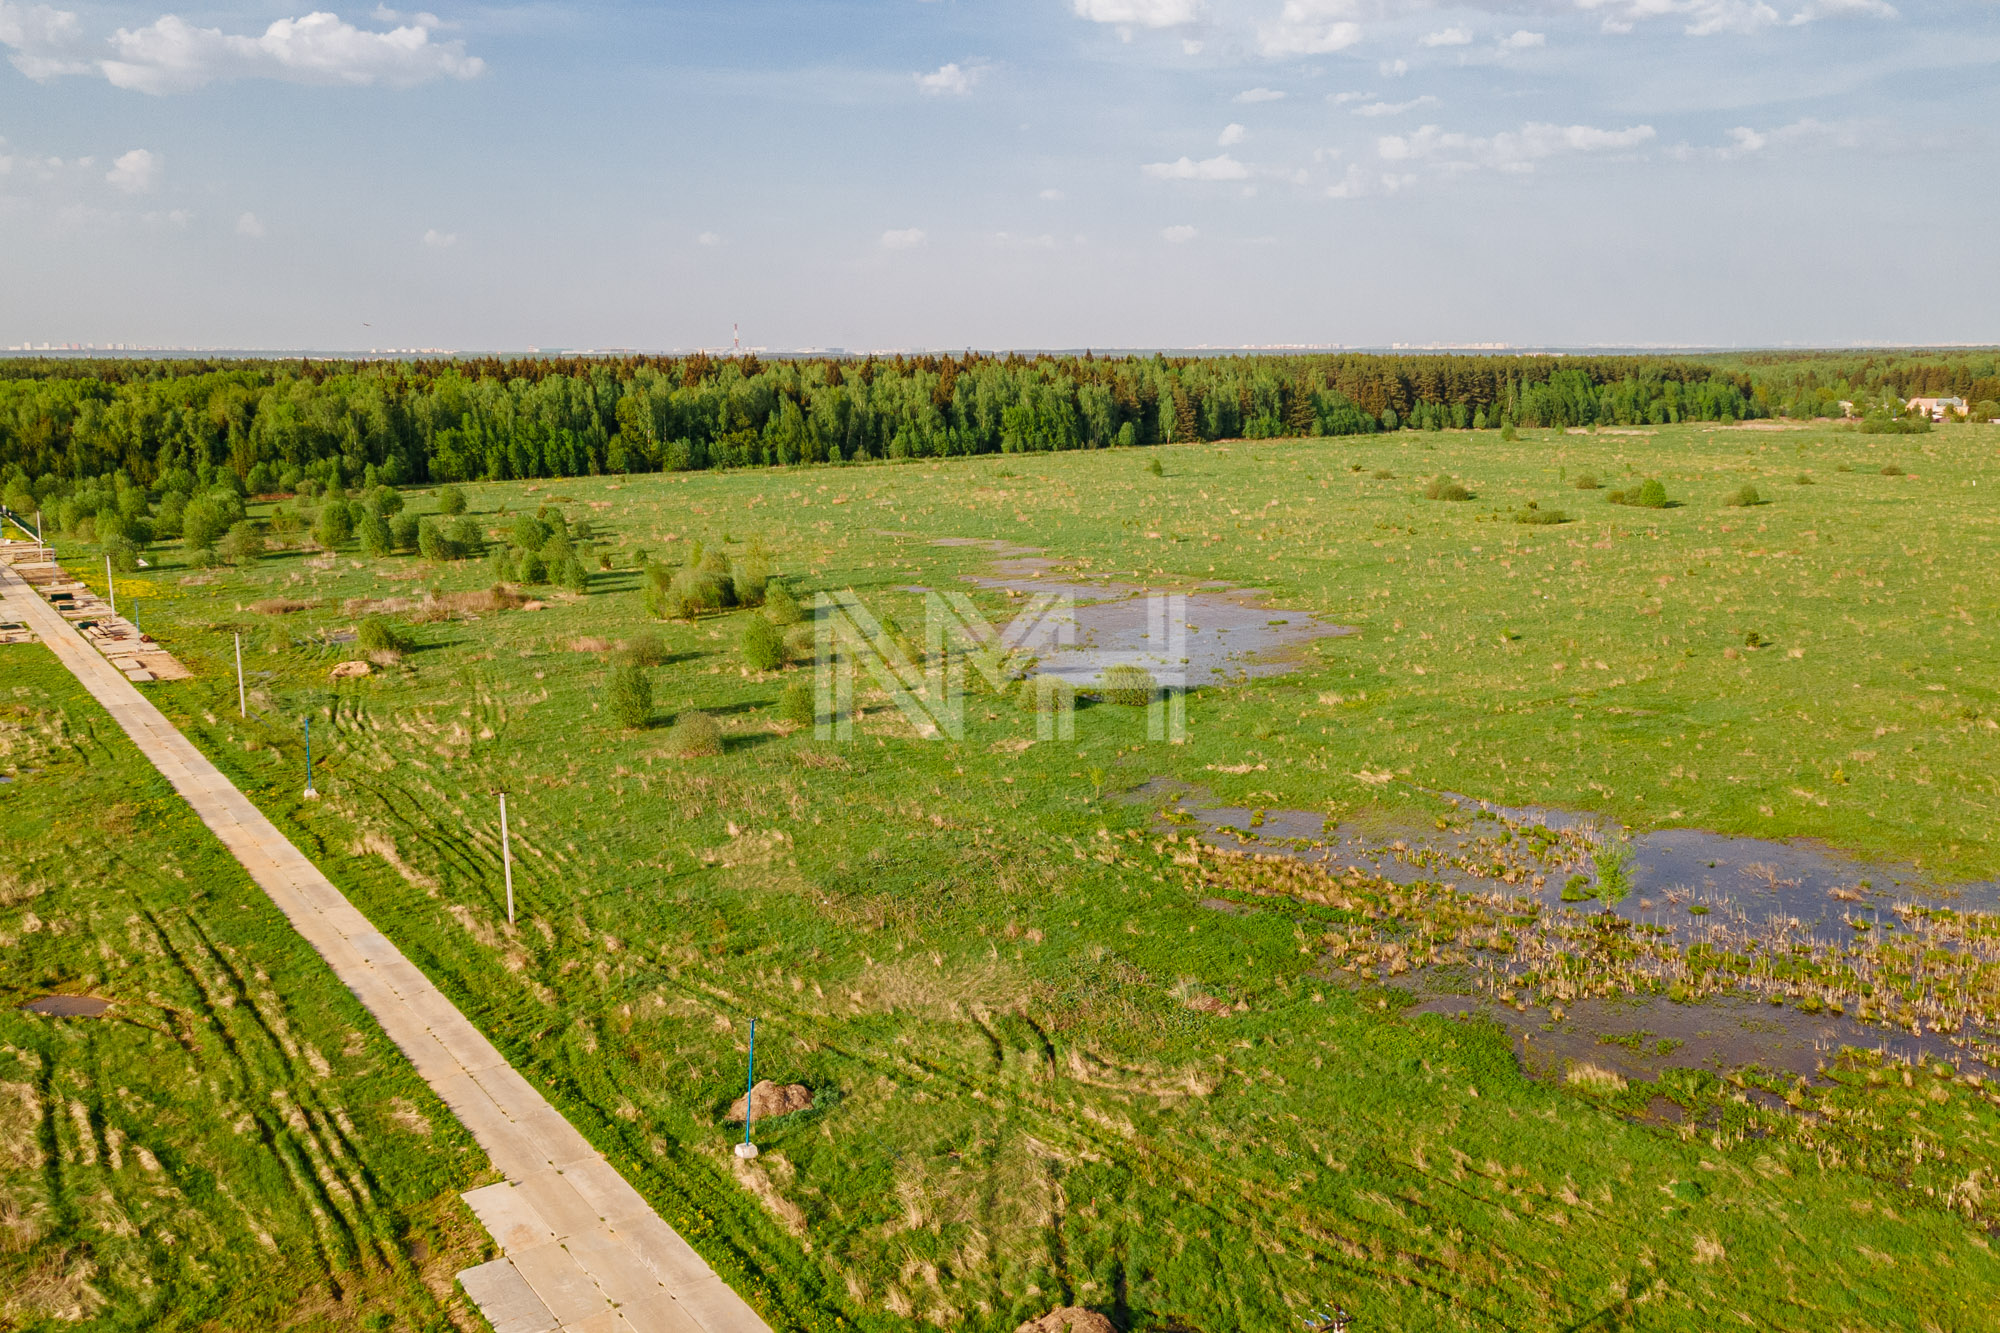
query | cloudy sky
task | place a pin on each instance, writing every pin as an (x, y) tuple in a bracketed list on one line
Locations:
[(1001, 173)]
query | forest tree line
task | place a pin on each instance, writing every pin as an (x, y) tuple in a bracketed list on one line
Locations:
[(273, 424)]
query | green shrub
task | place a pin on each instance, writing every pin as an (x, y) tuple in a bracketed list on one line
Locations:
[(695, 735), (1132, 686), (1881, 423), (762, 648), (1744, 496), (1535, 514), (1046, 694), (501, 565), (1155, 468), (779, 605), (124, 553), (750, 580), (1648, 495), (1986, 409), (467, 537), (451, 501), (433, 543), (377, 634), (1442, 487), (335, 527), (1586, 482), (1384, 474), (1893, 470), (1507, 432), (796, 704), (376, 539), (403, 531), (1802, 480), (631, 697), (244, 544), (573, 576), (528, 532), (646, 648), (533, 568)]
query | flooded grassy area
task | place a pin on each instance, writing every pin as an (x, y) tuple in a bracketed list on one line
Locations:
[(1045, 1068)]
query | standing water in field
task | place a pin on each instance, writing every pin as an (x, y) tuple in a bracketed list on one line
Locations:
[(1221, 635)]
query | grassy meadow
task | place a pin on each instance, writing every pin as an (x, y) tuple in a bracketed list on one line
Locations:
[(234, 1144), (1044, 1072)]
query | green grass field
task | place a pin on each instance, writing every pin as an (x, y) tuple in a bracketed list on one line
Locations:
[(980, 954), (234, 1144)]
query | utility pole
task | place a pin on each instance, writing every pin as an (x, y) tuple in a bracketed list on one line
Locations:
[(242, 702), (110, 588), (746, 1149), (310, 793), (507, 858)]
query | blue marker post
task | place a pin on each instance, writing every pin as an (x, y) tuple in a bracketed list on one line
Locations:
[(746, 1149), (310, 793)]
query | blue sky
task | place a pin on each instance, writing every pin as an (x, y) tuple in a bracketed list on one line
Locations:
[(951, 173)]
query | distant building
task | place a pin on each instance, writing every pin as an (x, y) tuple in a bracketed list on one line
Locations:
[(1937, 408)]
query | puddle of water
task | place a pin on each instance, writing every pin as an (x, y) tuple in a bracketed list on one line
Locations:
[(1221, 637), (1640, 1038), (68, 1006)]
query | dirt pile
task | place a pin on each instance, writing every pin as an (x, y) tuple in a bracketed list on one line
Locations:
[(350, 670), (771, 1099), (1069, 1319)]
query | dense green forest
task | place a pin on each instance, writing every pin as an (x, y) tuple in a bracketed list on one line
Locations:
[(271, 425)]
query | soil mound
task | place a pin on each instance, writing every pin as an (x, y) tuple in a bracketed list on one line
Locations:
[(1069, 1319), (771, 1099), (349, 670)]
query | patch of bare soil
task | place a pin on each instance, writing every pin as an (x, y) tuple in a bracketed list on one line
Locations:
[(769, 1099)]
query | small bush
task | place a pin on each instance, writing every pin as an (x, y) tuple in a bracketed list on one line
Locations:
[(466, 535), (451, 501), (375, 536), (1802, 480), (1535, 514), (501, 565), (796, 704), (1444, 488), (243, 544), (1132, 686), (335, 527), (403, 531), (378, 634), (1384, 474), (1155, 468), (1586, 482), (1893, 470), (780, 607), (533, 568), (1743, 497), (1047, 694), (802, 642), (573, 576), (631, 697), (750, 580), (762, 648), (1507, 432), (696, 735), (1882, 424), (646, 648)]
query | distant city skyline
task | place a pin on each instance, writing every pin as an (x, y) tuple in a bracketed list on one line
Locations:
[(1193, 174)]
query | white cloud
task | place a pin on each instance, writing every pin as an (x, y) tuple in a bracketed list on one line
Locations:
[(1309, 28), (1513, 150), (1394, 69), (1523, 40), (949, 80), (1743, 141), (1342, 99), (906, 238), (1231, 134), (171, 55), (1359, 183), (173, 217), (1449, 37), (45, 41), (708, 238), (1052, 194), (1139, 13), (1251, 96), (440, 240), (136, 172), (1221, 167), (1179, 235), (250, 225), (1395, 108)]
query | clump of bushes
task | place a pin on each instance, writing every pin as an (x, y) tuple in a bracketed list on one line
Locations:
[(1047, 694), (796, 704), (1893, 470), (762, 647), (696, 735), (379, 634), (451, 501), (1126, 684), (1539, 516), (1442, 487), (1744, 496), (1881, 423), (1802, 480), (1649, 494), (1587, 482), (1384, 474), (631, 696), (645, 648), (780, 606)]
